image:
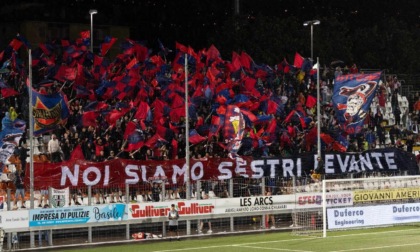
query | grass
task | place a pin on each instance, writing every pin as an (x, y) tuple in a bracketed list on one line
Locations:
[(401, 238)]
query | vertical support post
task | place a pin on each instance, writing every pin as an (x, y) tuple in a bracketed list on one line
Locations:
[(127, 201), (264, 216), (198, 190), (163, 192), (31, 150), (89, 204), (324, 209), (164, 228), (187, 141), (232, 220), (9, 207)]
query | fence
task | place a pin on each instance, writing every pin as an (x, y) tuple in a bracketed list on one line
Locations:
[(237, 205)]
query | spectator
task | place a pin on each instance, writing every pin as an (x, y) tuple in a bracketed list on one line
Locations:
[(270, 220), (20, 188), (394, 100), (182, 192), (396, 84), (54, 149), (101, 157), (111, 155), (66, 149), (416, 105), (22, 151), (382, 99), (370, 138), (156, 192), (409, 143), (88, 150), (354, 69), (338, 72), (220, 189), (44, 197), (378, 118), (320, 169), (381, 135), (201, 226), (13, 114), (370, 120), (394, 133), (173, 217), (397, 115), (45, 233), (399, 144)]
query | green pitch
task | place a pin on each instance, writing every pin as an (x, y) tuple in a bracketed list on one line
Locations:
[(401, 238)]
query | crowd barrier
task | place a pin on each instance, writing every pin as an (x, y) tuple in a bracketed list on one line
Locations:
[(90, 215)]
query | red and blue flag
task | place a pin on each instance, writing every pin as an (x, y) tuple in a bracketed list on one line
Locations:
[(352, 97)]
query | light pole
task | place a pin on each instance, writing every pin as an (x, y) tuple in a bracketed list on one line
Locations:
[(91, 12), (312, 23), (318, 109)]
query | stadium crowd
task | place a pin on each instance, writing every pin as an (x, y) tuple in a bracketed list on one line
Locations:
[(213, 83)]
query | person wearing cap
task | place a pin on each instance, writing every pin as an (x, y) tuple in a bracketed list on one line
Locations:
[(173, 217)]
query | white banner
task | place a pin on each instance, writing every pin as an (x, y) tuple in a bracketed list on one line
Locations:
[(314, 199), (77, 215), (212, 206), (258, 205), (60, 197), (350, 217), (12, 220)]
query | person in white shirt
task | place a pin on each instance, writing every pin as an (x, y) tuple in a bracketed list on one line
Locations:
[(173, 217), (54, 149)]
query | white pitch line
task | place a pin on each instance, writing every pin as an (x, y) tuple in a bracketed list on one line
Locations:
[(374, 233), (381, 247), (276, 249), (196, 248), (264, 242), (238, 245), (299, 239)]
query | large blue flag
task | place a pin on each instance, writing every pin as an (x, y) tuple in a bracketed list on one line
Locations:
[(49, 111), (353, 94), (10, 134)]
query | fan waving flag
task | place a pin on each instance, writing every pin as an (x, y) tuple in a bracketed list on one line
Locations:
[(195, 138), (107, 44), (214, 126), (298, 60), (7, 92), (89, 118), (49, 111), (311, 101), (234, 129), (133, 136), (352, 97)]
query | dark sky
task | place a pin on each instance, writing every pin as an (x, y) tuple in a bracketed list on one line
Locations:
[(207, 13), (193, 22)]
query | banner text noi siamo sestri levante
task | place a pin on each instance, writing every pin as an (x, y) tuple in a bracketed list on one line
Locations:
[(133, 171)]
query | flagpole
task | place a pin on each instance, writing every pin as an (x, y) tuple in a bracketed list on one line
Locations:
[(31, 149), (187, 136), (318, 109), (31, 134), (187, 143)]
